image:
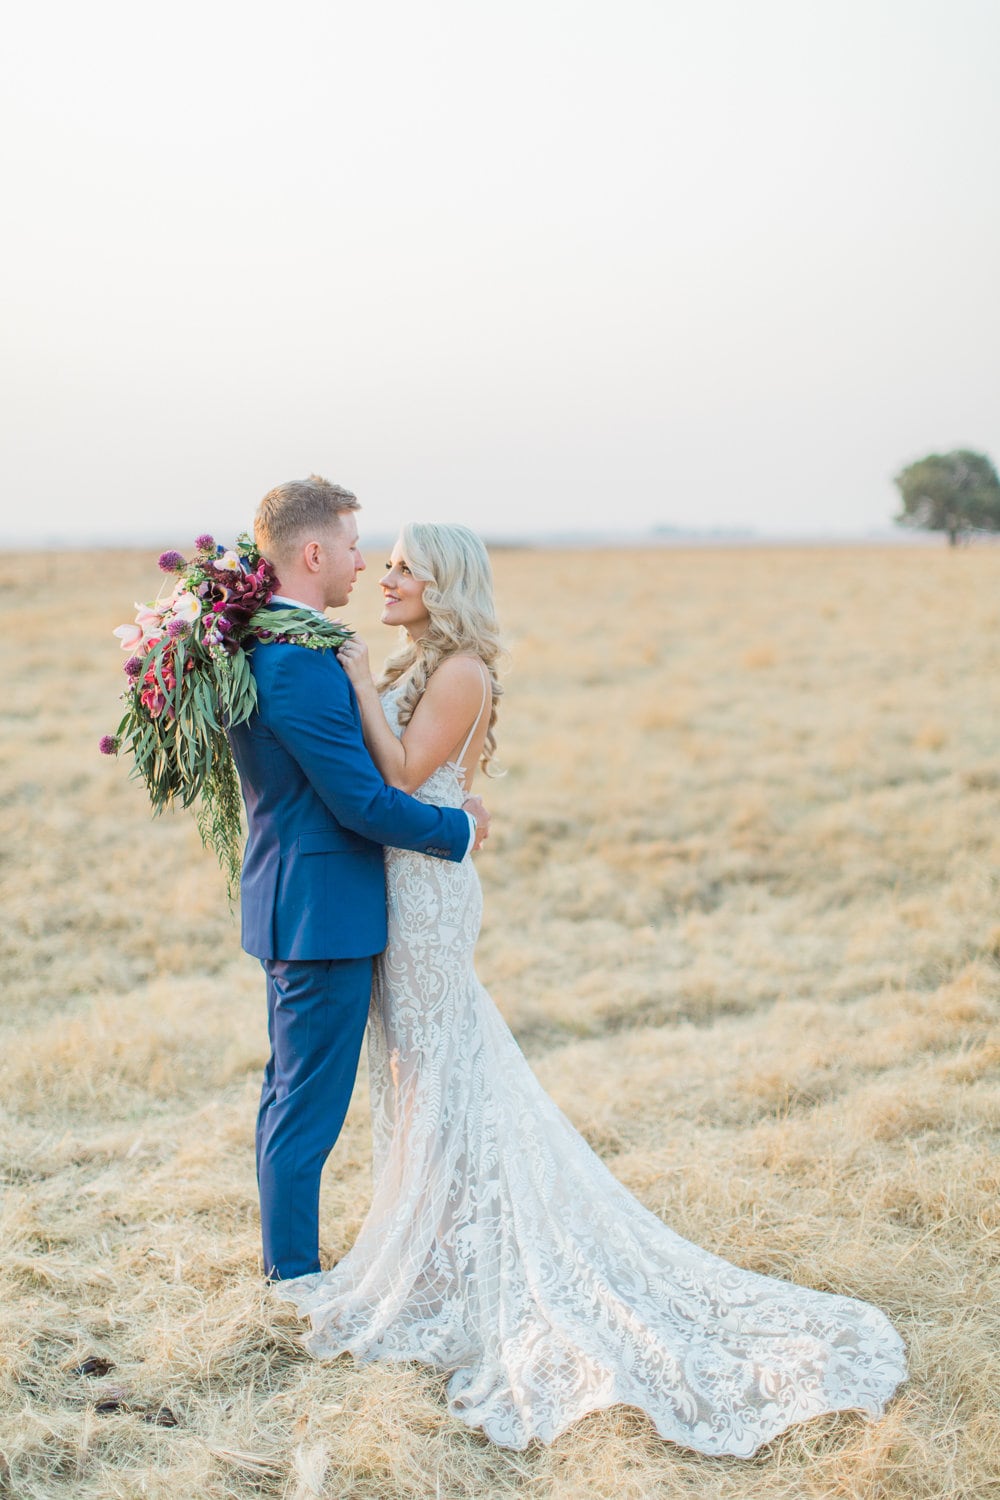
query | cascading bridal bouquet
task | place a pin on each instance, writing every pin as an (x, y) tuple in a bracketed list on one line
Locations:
[(189, 677)]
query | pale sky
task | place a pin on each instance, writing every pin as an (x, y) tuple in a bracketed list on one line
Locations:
[(538, 265)]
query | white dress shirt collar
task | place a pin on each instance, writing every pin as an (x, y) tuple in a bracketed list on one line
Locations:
[(296, 604)]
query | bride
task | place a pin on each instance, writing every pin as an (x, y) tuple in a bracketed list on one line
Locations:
[(498, 1247)]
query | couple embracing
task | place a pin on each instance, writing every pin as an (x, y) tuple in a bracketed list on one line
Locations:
[(498, 1247)]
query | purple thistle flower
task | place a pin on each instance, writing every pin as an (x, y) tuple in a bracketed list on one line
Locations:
[(205, 542), (176, 628), (108, 745), (170, 562), (132, 667)]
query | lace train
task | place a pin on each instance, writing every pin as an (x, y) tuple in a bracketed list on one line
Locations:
[(499, 1248)]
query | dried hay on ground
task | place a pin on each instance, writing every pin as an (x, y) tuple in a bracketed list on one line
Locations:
[(741, 913)]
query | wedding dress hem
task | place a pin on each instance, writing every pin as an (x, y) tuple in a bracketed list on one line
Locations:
[(306, 1294)]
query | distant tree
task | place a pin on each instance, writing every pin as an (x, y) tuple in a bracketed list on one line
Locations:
[(954, 492)]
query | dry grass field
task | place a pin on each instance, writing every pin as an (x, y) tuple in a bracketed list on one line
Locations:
[(741, 914)]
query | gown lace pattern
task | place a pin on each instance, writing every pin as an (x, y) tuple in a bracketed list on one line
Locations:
[(500, 1249)]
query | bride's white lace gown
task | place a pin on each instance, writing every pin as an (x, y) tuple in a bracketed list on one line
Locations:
[(500, 1248)]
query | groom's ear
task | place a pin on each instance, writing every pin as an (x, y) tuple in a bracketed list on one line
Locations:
[(312, 556)]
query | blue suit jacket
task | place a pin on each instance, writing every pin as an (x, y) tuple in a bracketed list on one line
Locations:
[(313, 883)]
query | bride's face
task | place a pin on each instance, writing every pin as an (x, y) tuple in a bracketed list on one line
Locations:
[(403, 596)]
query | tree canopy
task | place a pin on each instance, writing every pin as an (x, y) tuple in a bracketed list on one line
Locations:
[(956, 492)]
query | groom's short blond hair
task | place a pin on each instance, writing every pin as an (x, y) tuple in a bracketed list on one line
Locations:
[(291, 512)]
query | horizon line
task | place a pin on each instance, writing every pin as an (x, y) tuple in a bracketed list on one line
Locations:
[(580, 537)]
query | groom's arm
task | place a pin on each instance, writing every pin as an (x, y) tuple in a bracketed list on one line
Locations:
[(311, 711)]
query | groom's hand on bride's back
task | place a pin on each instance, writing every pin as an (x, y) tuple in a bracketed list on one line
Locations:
[(477, 807)]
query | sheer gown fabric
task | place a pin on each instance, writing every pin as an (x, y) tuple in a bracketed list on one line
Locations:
[(499, 1248)]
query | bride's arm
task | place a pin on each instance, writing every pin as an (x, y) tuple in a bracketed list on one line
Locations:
[(440, 721)]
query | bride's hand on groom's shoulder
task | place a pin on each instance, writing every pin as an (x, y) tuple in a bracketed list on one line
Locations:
[(353, 657)]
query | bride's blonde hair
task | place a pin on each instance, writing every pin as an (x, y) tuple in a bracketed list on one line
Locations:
[(454, 564)]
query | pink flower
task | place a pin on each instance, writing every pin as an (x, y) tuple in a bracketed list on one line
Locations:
[(148, 618), (129, 636), (187, 608), (107, 744)]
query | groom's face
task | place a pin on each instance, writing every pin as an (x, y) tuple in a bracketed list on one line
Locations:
[(342, 560)]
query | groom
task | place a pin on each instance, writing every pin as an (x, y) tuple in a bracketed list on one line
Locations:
[(313, 886)]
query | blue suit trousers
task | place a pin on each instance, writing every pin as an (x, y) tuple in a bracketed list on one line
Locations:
[(316, 1015)]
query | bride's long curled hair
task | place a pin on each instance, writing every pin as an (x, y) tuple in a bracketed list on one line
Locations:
[(454, 564)]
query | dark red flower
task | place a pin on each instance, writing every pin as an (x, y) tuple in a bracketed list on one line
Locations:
[(153, 702)]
